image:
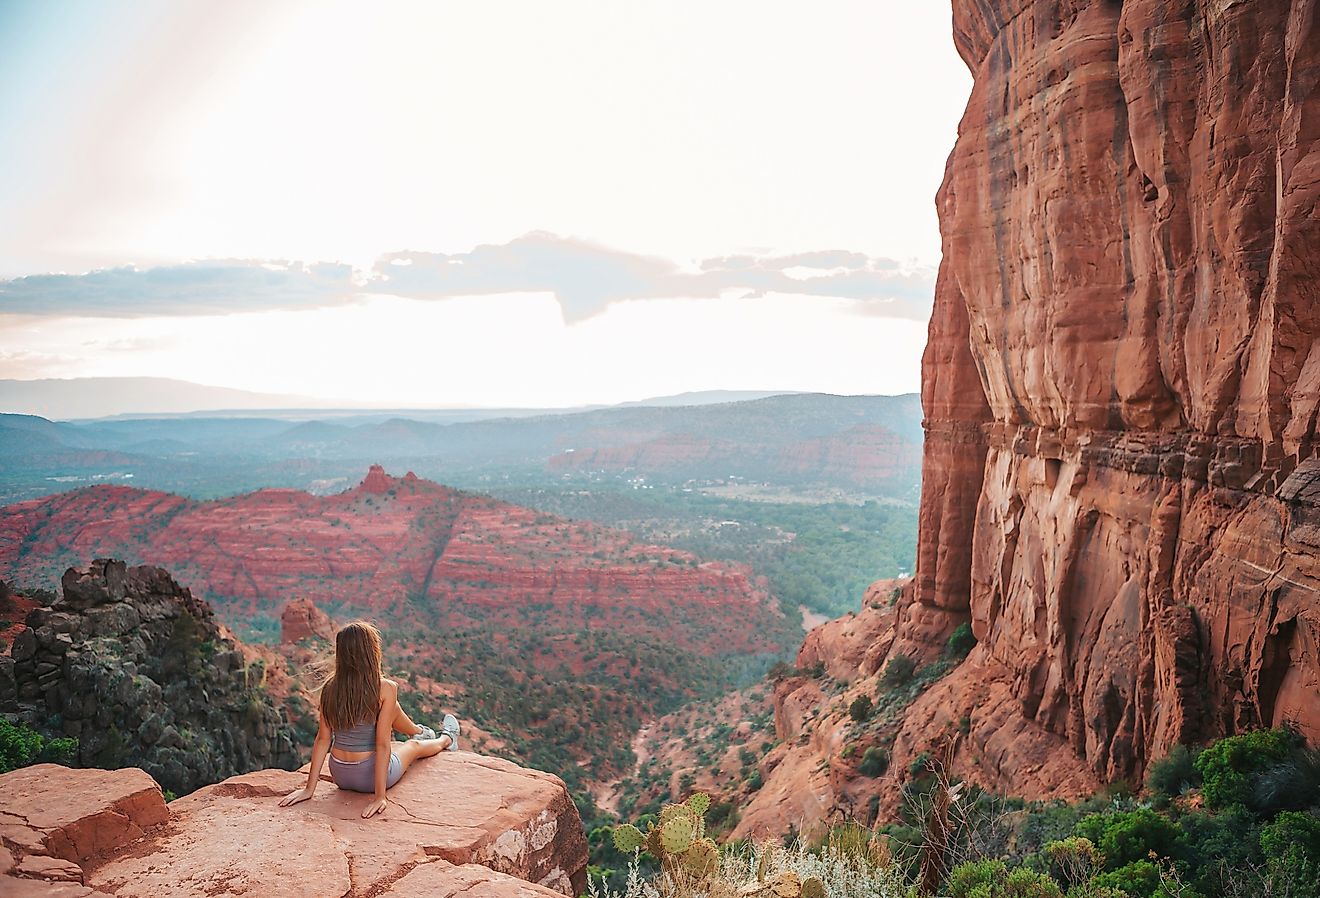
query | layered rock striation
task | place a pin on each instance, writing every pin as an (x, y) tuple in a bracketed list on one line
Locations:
[(456, 823), (1121, 486), (402, 549), (140, 673)]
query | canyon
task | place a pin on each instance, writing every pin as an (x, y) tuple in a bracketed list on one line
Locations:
[(553, 638), (1121, 488), (388, 547)]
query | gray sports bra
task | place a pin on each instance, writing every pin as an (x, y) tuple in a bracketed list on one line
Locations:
[(359, 738)]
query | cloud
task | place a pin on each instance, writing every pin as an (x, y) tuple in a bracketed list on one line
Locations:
[(215, 286), (584, 277)]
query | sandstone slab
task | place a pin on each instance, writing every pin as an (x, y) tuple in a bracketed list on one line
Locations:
[(77, 814), (459, 807), (458, 822)]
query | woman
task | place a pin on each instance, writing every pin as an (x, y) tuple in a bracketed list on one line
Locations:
[(359, 712)]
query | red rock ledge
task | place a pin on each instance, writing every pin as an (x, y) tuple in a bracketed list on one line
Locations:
[(456, 823)]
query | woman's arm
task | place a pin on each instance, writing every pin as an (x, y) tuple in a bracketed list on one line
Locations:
[(384, 730), (320, 748)]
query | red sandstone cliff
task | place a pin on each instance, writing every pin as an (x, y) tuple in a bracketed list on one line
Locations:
[(1121, 484)]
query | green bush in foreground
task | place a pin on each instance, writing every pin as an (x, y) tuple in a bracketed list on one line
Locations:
[(21, 745), (1229, 766), (969, 844), (1291, 845), (1125, 837)]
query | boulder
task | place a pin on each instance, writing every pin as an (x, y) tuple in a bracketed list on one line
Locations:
[(102, 582), (74, 814)]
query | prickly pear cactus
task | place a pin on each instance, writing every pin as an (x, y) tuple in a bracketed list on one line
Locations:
[(676, 835), (653, 846), (785, 885), (813, 887), (670, 811), (699, 803), (628, 838), (703, 858)]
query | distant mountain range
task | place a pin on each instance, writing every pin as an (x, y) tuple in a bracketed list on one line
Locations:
[(66, 399), (97, 397), (868, 445)]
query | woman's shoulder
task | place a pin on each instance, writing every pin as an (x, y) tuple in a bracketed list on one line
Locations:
[(388, 687)]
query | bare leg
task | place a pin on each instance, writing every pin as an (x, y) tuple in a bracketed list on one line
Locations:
[(419, 748)]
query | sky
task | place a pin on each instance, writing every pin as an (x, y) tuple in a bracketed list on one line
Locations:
[(498, 203)]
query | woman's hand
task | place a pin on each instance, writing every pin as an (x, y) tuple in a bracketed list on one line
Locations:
[(374, 808), (294, 797)]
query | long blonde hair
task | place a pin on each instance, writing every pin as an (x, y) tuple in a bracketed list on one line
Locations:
[(351, 695)]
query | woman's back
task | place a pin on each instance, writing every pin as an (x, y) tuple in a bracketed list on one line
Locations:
[(356, 738)]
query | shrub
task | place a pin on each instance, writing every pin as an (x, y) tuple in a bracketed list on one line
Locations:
[(1074, 860), (1229, 766), (992, 879), (1139, 879), (875, 761), (1290, 785), (1024, 883), (1127, 836), (1229, 838), (860, 709), (1291, 845), (19, 745), (961, 641), (1168, 777), (898, 672), (967, 878), (60, 751)]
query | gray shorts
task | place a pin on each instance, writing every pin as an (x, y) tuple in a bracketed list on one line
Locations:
[(360, 776)]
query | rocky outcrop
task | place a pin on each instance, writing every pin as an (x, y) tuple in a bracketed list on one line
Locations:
[(456, 823), (811, 775), (301, 620), (1121, 388), (138, 671)]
